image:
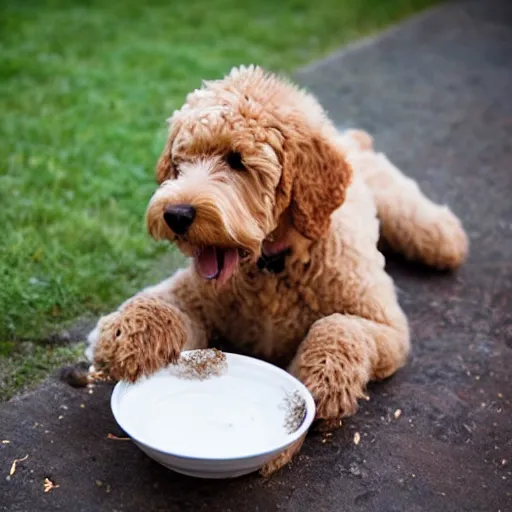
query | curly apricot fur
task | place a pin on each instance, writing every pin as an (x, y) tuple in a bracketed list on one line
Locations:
[(332, 316)]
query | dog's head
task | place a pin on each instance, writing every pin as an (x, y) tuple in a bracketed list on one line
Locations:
[(248, 158)]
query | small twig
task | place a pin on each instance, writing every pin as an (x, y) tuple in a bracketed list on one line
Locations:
[(14, 462), (117, 438)]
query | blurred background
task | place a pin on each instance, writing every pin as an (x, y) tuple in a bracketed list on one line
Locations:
[(85, 88)]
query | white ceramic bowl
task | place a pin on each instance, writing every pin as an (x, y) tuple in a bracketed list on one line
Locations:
[(223, 426)]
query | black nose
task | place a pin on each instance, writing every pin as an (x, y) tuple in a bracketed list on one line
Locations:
[(179, 217)]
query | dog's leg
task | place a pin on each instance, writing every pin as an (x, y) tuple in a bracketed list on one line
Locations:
[(410, 222), (337, 359), (341, 354), (149, 331)]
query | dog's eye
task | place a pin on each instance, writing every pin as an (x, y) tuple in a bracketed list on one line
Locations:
[(234, 160)]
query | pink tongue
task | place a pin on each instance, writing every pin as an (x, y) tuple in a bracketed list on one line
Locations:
[(231, 260), (207, 263)]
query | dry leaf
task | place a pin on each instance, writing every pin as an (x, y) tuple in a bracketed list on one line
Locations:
[(397, 414), (357, 438), (6, 441), (14, 462), (49, 485), (117, 438)]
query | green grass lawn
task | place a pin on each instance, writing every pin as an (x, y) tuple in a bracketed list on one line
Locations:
[(85, 88)]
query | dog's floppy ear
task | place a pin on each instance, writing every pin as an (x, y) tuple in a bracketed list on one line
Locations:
[(164, 166), (315, 177)]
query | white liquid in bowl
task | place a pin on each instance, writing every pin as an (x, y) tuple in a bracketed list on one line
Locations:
[(238, 413)]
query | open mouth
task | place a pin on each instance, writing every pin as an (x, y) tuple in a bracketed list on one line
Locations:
[(217, 263)]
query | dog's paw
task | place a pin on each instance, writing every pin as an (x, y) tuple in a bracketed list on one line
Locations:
[(336, 375), (145, 335), (443, 243), (338, 400)]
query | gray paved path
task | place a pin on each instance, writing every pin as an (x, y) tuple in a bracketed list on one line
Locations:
[(437, 93)]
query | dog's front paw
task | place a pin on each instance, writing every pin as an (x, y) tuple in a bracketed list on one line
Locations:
[(336, 376), (145, 335)]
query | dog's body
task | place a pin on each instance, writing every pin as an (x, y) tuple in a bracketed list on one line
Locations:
[(268, 314), (253, 167)]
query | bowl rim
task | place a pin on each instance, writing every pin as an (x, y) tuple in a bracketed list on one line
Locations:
[(287, 440)]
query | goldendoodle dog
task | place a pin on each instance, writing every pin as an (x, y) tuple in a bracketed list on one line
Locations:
[(279, 213)]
